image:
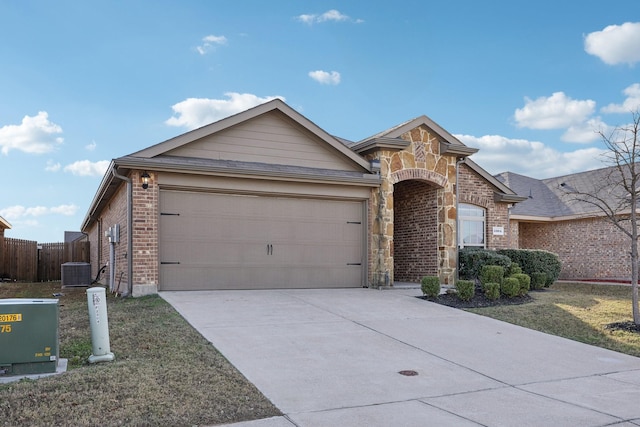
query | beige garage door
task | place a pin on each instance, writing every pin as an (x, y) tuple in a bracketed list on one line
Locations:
[(221, 241)]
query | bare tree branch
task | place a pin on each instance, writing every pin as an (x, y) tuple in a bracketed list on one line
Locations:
[(617, 193)]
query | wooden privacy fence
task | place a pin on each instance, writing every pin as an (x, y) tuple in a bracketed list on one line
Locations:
[(29, 261)]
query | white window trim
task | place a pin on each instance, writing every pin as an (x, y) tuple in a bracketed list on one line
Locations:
[(476, 219)]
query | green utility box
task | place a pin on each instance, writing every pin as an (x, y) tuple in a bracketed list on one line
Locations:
[(29, 340)]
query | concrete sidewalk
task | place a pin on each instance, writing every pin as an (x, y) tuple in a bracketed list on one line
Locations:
[(333, 357)]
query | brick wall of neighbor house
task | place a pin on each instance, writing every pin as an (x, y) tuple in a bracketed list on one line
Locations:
[(415, 232), (590, 248), (474, 190), (145, 235)]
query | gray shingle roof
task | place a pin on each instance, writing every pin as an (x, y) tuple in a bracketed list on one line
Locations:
[(551, 197)]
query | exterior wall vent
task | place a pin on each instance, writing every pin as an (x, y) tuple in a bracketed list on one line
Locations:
[(76, 274)]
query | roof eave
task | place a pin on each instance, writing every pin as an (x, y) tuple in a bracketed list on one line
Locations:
[(4, 224), (366, 179), (456, 150), (508, 198), (375, 144), (108, 183)]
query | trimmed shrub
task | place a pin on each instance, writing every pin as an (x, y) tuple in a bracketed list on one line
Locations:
[(471, 261), (514, 269), (510, 287), (525, 282), (532, 261), (430, 286), (491, 274), (465, 289), (538, 280), (492, 290)]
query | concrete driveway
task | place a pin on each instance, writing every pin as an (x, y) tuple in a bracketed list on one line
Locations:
[(334, 357)]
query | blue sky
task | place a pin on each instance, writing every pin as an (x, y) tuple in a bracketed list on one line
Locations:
[(83, 82)]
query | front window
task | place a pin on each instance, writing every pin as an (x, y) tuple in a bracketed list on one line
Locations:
[(471, 226)]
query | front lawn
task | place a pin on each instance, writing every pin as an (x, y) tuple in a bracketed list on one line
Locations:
[(577, 311), (165, 372)]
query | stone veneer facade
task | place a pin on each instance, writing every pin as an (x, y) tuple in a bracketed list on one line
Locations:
[(419, 161), (419, 238)]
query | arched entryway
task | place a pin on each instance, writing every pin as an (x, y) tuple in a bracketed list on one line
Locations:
[(415, 230)]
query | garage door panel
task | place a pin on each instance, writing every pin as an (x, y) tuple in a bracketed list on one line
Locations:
[(220, 241)]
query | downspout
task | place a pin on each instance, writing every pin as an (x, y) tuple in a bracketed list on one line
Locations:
[(129, 228), (458, 163), (509, 226)]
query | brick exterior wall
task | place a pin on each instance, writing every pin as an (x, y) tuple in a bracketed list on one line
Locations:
[(475, 190), (145, 237), (590, 248), (145, 231), (415, 233), (114, 213)]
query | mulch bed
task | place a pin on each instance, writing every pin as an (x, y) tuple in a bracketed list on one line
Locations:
[(479, 300), (628, 326)]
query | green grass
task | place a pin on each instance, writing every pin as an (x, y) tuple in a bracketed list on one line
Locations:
[(165, 372), (576, 311)]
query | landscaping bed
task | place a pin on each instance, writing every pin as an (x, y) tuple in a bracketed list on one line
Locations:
[(478, 300)]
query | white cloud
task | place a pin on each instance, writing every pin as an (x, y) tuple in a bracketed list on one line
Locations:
[(630, 104), (616, 44), (193, 113), (531, 158), (325, 77), (87, 168), (19, 212), (554, 112), (210, 42), (91, 147), (586, 132), (36, 135), (66, 210), (52, 166), (330, 15)]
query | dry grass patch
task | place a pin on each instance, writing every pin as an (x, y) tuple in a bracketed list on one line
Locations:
[(577, 311), (165, 372)]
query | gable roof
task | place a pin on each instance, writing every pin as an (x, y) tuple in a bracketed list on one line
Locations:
[(226, 123), (549, 198), (449, 144), (390, 138)]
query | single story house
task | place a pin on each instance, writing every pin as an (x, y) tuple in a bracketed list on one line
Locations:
[(267, 199), (589, 246)]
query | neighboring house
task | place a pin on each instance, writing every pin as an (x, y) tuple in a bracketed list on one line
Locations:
[(267, 199), (587, 243), (4, 225)]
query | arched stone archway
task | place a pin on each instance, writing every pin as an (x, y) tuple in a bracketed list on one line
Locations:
[(412, 176)]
